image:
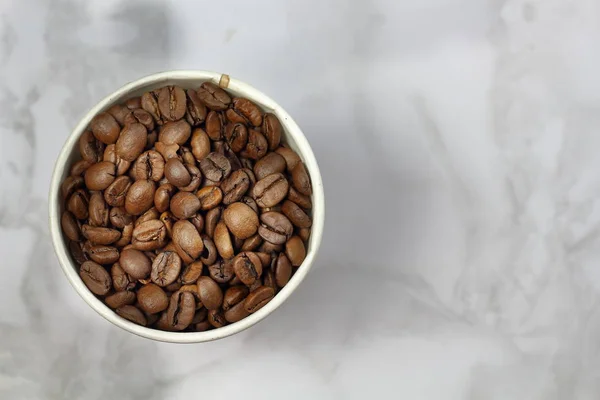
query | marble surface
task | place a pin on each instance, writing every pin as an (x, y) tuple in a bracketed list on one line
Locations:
[(458, 142)]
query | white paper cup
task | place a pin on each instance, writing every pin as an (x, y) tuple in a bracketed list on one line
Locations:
[(186, 79)]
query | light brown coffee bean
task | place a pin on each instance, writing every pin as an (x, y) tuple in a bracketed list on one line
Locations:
[(120, 299), (236, 313), (150, 235), (133, 103), (95, 278), (235, 186), (215, 125), (100, 175), (126, 236), (135, 263), (249, 110), (295, 251), (188, 243), (141, 116), (110, 155), (216, 318), (80, 167), (184, 205), (210, 197), (120, 279), (215, 167), (212, 219), (223, 240), (149, 102), (168, 220), (196, 179), (282, 270), (236, 135), (165, 268), (70, 185), (304, 234), (258, 298), (257, 145), (252, 243), (210, 293), (177, 173), (196, 110), (105, 128), (132, 314), (241, 220), (234, 295), (247, 267), (172, 102), (152, 298), (265, 258), (299, 198), (119, 113), (116, 193), (131, 142)]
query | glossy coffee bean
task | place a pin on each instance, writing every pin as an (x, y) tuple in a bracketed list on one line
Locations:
[(90, 148), (295, 250), (249, 110), (150, 235), (215, 167), (270, 190), (168, 220), (187, 241), (131, 142), (271, 163), (196, 110), (210, 293), (223, 241), (247, 267), (275, 227), (196, 179), (282, 270), (150, 165), (70, 226), (98, 210), (241, 220), (95, 278), (141, 116), (100, 175), (176, 173), (213, 96), (221, 271), (236, 135), (140, 197), (172, 103), (200, 144), (126, 236), (184, 205), (149, 102), (80, 167), (110, 155), (295, 214), (116, 192), (165, 268), (182, 308), (235, 186), (175, 133), (216, 318), (215, 125), (252, 243), (236, 313), (152, 298), (135, 263), (258, 298), (234, 295), (105, 128), (210, 197), (273, 130)]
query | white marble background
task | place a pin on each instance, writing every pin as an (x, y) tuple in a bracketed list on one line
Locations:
[(459, 142)]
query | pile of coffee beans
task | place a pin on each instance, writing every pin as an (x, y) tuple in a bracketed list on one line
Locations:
[(186, 212)]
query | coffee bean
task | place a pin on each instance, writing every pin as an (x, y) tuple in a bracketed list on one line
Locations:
[(182, 308), (270, 164), (135, 263), (249, 201), (149, 102), (215, 167), (248, 110), (235, 186), (200, 315), (282, 270), (203, 326), (90, 148), (98, 210), (213, 96), (70, 185), (241, 220), (100, 175), (120, 279), (119, 217), (299, 198), (140, 197), (304, 234), (150, 165), (234, 295), (196, 179), (80, 167), (168, 151), (193, 289), (275, 227), (212, 218), (103, 254), (131, 142), (115, 194), (100, 235), (175, 132), (210, 293), (196, 110), (165, 268), (191, 273), (258, 298), (300, 179), (70, 226), (105, 128), (265, 258), (221, 271), (210, 197), (168, 220), (141, 116), (247, 267), (133, 314), (216, 318), (177, 173), (257, 145), (290, 156), (270, 190), (295, 251), (295, 214), (223, 241), (209, 254), (200, 144), (198, 221), (95, 278), (236, 136), (173, 287), (172, 102), (187, 241), (126, 236), (252, 243), (215, 125), (184, 205), (133, 103), (272, 129), (152, 298), (119, 113), (110, 155), (150, 235), (162, 197), (236, 313), (120, 299), (78, 204)]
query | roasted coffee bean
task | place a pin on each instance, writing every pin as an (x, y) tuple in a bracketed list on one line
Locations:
[(168, 151), (151, 140), (182, 308), (152, 298), (210, 293), (270, 190), (110, 155), (119, 113), (177, 173), (175, 133), (198, 221), (236, 313), (258, 298), (290, 156), (200, 144), (299, 198), (270, 164), (150, 235), (78, 204), (126, 236), (212, 218), (247, 267), (203, 326), (140, 197), (165, 268), (282, 269), (272, 129), (120, 279), (200, 315), (300, 179), (150, 165), (304, 234), (241, 220), (70, 185), (213, 96), (236, 135), (209, 254), (80, 167), (216, 318), (131, 142), (215, 125), (196, 110), (149, 102), (90, 148), (196, 179), (268, 247), (257, 145), (77, 252), (133, 314), (98, 210), (103, 254), (105, 128), (235, 186), (184, 205), (221, 271), (215, 167), (115, 194), (172, 102), (99, 234), (295, 250), (70, 226), (234, 295), (295, 214), (275, 227), (187, 241), (248, 110), (252, 243), (223, 241), (168, 220), (192, 272), (133, 103), (135, 263), (193, 289), (173, 287), (141, 116), (162, 197), (265, 258), (210, 197), (249, 201), (100, 175), (120, 299), (95, 278)]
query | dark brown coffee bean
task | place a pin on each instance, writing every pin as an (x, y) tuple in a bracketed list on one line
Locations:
[(151, 140), (98, 210), (162, 197), (172, 102), (209, 254), (249, 201), (187, 241), (152, 298), (168, 220), (150, 165), (236, 313), (295, 251), (70, 185), (100, 235), (80, 167), (234, 295), (119, 113), (257, 145), (90, 148), (273, 130), (191, 273), (140, 197), (70, 226), (270, 164), (249, 110), (275, 227), (299, 198), (196, 110), (236, 136), (149, 102), (150, 235), (116, 193), (77, 252), (135, 263), (196, 179), (165, 268), (247, 267), (200, 144), (177, 173), (270, 190), (131, 142), (290, 156), (120, 279), (110, 155), (282, 270), (133, 103), (223, 240), (175, 132), (182, 308), (212, 219), (241, 220), (184, 205), (120, 299), (258, 298), (221, 271), (95, 278), (103, 254), (235, 186), (141, 116), (133, 314), (295, 214), (215, 167), (300, 179), (210, 293), (105, 128), (235, 117), (210, 197), (100, 175), (237, 243), (252, 243), (213, 96), (78, 204)]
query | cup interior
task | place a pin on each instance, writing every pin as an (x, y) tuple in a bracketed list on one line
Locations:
[(293, 137)]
